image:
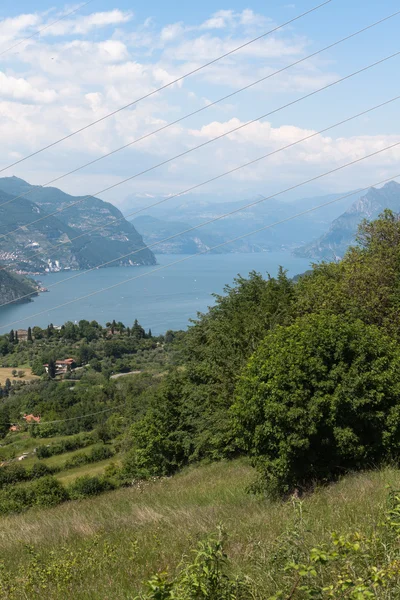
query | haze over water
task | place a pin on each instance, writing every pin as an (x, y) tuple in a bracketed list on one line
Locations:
[(164, 300)]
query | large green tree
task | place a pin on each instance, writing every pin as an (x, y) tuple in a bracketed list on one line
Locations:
[(318, 398), (365, 284)]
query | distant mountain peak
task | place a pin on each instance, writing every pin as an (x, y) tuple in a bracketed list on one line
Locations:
[(342, 231)]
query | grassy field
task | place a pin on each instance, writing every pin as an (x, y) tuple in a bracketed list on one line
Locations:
[(66, 477), (6, 373), (116, 541)]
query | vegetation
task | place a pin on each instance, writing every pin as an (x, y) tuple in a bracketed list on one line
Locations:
[(112, 545), (301, 378)]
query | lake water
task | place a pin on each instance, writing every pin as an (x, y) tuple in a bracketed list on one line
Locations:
[(160, 299)]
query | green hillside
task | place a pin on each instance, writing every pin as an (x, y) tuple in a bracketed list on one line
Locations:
[(110, 546), (12, 287), (70, 231), (252, 457)]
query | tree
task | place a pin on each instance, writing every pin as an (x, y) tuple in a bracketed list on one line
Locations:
[(30, 335), (16, 337), (365, 284), (137, 331), (318, 398), (149, 335), (12, 336), (51, 369), (14, 372)]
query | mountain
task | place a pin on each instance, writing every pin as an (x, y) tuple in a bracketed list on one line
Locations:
[(169, 218), (12, 287), (90, 249), (341, 234), (154, 230)]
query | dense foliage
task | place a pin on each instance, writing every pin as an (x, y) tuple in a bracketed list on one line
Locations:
[(317, 398), (302, 375)]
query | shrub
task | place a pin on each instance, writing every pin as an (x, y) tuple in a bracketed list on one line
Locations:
[(48, 491), (206, 577), (86, 486), (96, 454), (12, 473), (67, 445), (40, 470), (15, 499), (318, 398)]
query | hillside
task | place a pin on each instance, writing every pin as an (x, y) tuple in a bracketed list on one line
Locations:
[(89, 250), (140, 486), (341, 234), (12, 287), (109, 546)]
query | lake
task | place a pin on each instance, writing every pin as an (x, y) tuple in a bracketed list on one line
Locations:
[(160, 299)]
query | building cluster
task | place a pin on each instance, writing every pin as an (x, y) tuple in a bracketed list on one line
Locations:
[(62, 366)]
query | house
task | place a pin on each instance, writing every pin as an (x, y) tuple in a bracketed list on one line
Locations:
[(31, 419), (14, 428), (22, 335), (62, 366)]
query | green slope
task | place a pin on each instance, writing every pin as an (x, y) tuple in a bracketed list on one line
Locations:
[(89, 250)]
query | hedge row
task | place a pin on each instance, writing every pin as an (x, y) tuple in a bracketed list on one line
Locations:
[(68, 445), (48, 491)]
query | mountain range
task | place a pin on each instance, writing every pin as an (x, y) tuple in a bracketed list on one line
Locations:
[(36, 237), (171, 217), (341, 234)]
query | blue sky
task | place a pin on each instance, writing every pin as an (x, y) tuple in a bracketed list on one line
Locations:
[(109, 53)]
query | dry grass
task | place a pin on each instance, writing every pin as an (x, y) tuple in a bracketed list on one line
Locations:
[(6, 373), (163, 520)]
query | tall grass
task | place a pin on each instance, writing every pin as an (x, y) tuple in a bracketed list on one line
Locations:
[(116, 541)]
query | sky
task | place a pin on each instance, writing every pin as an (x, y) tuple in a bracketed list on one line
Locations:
[(109, 53)]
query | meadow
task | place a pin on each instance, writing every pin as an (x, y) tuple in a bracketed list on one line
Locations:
[(22, 374), (108, 547)]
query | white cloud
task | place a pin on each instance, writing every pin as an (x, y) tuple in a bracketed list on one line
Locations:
[(10, 28), (56, 86), (82, 25), (172, 32), (21, 89)]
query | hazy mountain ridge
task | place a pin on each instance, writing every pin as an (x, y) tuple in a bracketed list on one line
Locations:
[(341, 234), (182, 213), (89, 249)]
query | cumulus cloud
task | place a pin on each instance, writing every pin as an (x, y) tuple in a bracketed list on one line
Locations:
[(82, 25), (86, 67), (21, 89)]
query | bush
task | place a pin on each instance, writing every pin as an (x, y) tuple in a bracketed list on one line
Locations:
[(86, 486), (67, 445), (15, 499), (40, 470), (317, 399), (48, 491), (12, 473), (96, 454)]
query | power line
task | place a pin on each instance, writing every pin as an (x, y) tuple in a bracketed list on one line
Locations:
[(291, 188), (197, 186), (181, 78), (164, 127), (73, 418), (39, 31), (186, 152)]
